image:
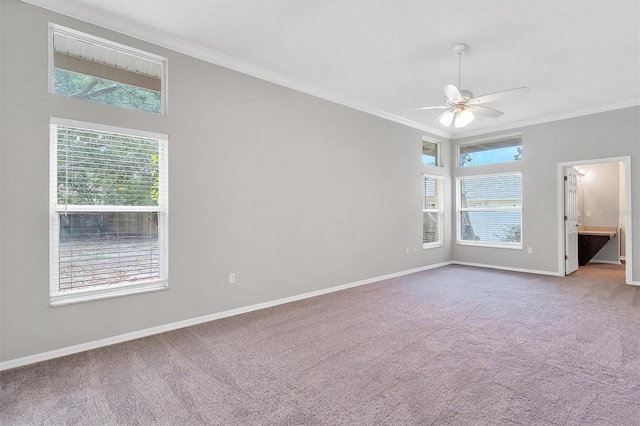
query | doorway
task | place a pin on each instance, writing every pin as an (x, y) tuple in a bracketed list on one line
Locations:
[(612, 212)]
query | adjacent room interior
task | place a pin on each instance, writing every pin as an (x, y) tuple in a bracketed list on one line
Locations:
[(269, 212)]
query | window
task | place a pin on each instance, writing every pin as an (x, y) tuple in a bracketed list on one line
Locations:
[(94, 69), (502, 150), (430, 153), (432, 212), (108, 212), (490, 210)]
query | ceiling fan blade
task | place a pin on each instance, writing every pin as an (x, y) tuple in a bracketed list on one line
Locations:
[(492, 97), (483, 110), (452, 93), (431, 107)]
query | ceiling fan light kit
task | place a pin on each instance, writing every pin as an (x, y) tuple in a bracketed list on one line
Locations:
[(460, 104)]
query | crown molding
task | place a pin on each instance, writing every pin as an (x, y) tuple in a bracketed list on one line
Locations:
[(122, 26), (629, 103)]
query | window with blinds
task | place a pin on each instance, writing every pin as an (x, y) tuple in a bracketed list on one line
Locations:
[(432, 212), (501, 150), (490, 210), (108, 211), (86, 67)]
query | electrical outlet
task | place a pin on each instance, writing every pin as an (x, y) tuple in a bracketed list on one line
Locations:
[(530, 250), (406, 251), (232, 278), (588, 214), (414, 250)]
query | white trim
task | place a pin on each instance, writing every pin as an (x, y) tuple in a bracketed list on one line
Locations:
[(628, 103), (626, 160), (634, 283), (105, 128), (609, 262), (122, 26), (507, 268), (91, 294), (501, 245), (44, 356)]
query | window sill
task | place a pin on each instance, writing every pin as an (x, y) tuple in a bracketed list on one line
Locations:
[(432, 245), (490, 245), (89, 295)]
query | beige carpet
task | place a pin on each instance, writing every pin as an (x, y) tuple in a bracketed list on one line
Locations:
[(454, 345)]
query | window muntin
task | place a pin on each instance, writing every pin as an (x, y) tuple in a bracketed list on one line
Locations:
[(109, 206), (432, 211), (494, 151), (430, 153), (490, 210), (97, 70)]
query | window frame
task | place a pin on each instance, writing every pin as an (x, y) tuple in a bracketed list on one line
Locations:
[(89, 38), (459, 210), (58, 298), (438, 156), (439, 210), (495, 139)]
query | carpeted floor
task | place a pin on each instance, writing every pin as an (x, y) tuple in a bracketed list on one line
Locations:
[(450, 346)]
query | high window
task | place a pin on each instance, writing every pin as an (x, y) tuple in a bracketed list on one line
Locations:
[(90, 68), (489, 210), (108, 211), (432, 212), (430, 153), (493, 151)]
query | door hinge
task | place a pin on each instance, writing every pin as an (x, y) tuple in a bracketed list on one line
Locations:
[(566, 257), (565, 217), (565, 178)]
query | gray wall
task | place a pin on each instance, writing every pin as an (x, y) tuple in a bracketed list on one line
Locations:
[(290, 192), (605, 135)]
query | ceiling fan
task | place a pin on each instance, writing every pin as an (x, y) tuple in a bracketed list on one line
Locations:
[(460, 104)]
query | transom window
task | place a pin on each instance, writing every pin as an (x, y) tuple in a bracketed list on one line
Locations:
[(93, 69), (494, 151), (489, 210), (108, 211), (432, 212), (430, 153)]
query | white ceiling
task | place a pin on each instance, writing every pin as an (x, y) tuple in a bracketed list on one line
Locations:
[(576, 56)]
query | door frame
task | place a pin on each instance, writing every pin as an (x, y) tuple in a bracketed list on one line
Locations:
[(626, 160)]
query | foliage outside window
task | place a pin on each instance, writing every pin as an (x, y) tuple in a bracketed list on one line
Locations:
[(97, 70), (430, 153), (501, 150), (432, 211), (490, 210), (109, 207)]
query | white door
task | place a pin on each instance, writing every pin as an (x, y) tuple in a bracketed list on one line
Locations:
[(570, 220)]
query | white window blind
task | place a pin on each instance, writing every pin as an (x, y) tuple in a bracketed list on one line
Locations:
[(432, 212), (109, 207), (490, 210)]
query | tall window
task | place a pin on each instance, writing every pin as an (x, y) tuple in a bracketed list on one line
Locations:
[(493, 151), (108, 211), (490, 210), (432, 212), (90, 68)]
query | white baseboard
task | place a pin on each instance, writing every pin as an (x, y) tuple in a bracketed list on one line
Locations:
[(31, 359), (507, 268), (609, 262)]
